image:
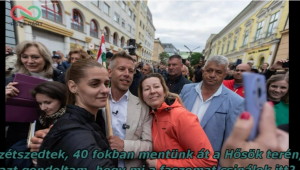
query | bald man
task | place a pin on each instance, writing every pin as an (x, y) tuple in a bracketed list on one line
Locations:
[(236, 84)]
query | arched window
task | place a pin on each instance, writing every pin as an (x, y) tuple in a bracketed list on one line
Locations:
[(106, 34), (115, 39), (93, 29), (51, 10), (77, 22), (122, 42)]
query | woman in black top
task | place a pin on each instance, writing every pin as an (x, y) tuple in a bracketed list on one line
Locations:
[(77, 129)]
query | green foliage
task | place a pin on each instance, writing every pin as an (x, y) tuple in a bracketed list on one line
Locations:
[(163, 56), (195, 58)]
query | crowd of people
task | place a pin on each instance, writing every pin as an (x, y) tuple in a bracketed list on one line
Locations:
[(153, 108)]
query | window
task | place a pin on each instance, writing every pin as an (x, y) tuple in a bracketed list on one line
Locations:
[(273, 21), (106, 34), (129, 28), (106, 9), (123, 5), (133, 31), (123, 23), (139, 34), (117, 1), (222, 49), (140, 22), (115, 41), (77, 22), (129, 13), (122, 41), (95, 2), (259, 28), (93, 29), (218, 51), (234, 44), (51, 10), (134, 3), (143, 27), (246, 37), (134, 17), (116, 18), (228, 44)]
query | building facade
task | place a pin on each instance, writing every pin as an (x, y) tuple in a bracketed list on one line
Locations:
[(65, 25), (283, 49), (149, 37), (170, 49), (10, 33), (254, 34), (157, 49), (208, 46)]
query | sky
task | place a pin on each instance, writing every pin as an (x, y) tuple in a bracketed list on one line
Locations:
[(191, 23)]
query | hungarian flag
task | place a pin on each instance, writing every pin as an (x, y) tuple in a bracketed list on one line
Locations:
[(101, 57)]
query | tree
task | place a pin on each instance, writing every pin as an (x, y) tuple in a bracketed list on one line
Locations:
[(195, 58), (164, 56)]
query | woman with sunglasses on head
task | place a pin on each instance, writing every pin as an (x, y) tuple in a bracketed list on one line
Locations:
[(173, 126)]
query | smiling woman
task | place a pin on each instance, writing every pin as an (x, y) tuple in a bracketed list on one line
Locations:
[(173, 127), (278, 93), (82, 126)]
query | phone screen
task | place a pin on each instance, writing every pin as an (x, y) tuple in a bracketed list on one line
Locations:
[(285, 65)]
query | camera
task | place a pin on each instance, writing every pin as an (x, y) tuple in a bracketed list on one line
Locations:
[(131, 48)]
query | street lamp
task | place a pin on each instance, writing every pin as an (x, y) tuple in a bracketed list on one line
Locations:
[(191, 51)]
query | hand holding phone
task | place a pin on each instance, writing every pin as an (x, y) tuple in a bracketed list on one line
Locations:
[(285, 65), (255, 97)]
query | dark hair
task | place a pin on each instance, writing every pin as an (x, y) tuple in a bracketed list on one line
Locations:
[(134, 54), (175, 56), (121, 54), (279, 77), (169, 95), (82, 52), (109, 54), (76, 72), (53, 89), (163, 62), (267, 64)]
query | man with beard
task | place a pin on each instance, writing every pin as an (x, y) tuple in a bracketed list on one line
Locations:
[(136, 77), (216, 106), (10, 61), (236, 84)]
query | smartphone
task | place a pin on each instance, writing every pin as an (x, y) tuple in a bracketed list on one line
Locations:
[(285, 65), (255, 97), (183, 61), (31, 132), (10, 68)]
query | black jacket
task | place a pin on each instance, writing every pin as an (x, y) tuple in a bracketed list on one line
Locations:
[(175, 85), (135, 83), (76, 130)]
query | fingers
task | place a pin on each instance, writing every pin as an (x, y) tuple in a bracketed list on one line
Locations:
[(241, 129), (267, 127), (41, 133), (283, 139)]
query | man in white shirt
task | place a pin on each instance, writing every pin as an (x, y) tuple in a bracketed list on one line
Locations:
[(216, 106), (130, 118)]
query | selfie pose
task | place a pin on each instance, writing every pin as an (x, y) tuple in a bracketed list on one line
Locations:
[(173, 127), (82, 126)]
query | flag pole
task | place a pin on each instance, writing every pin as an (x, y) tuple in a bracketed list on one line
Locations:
[(107, 108)]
